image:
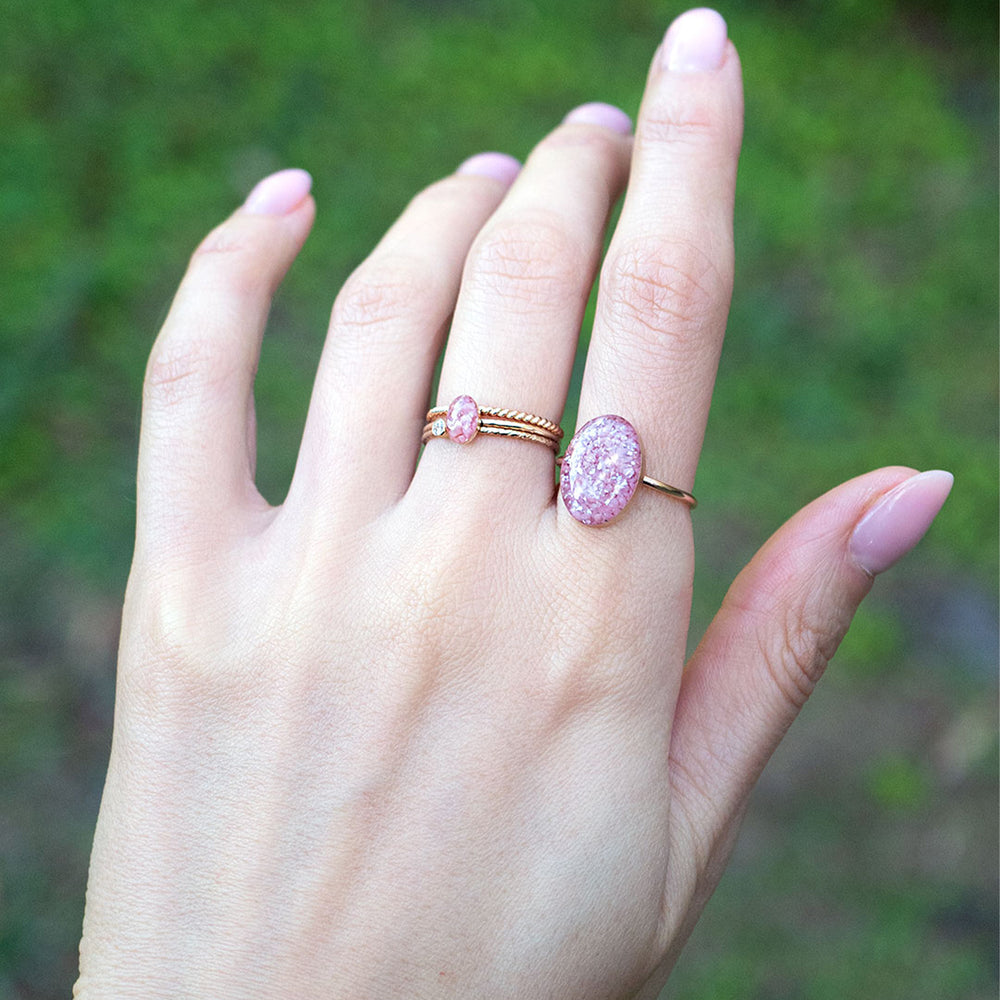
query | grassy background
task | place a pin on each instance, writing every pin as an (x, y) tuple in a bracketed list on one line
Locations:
[(863, 332)]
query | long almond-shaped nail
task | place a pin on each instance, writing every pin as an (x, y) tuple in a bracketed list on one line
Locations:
[(279, 193), (899, 520), (695, 42)]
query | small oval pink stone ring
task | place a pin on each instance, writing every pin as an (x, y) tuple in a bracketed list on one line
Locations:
[(462, 420), (602, 469)]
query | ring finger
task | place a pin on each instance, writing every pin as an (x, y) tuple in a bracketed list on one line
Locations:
[(526, 284)]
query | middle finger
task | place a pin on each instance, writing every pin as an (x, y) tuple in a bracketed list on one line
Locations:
[(667, 278)]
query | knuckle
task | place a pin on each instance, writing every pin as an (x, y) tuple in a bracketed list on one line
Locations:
[(233, 257), (672, 121), (590, 644), (169, 662), (582, 677), (223, 241), (181, 368), (527, 259), (661, 291), (434, 596), (190, 635), (798, 654), (386, 293)]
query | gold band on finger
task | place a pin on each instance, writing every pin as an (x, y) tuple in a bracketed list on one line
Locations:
[(671, 491), (464, 420)]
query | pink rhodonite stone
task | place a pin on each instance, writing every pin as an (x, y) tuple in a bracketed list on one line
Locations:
[(463, 419), (601, 469)]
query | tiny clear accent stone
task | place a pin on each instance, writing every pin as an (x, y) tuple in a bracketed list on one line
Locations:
[(463, 419), (438, 427), (601, 469)]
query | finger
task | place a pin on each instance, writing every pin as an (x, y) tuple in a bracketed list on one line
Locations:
[(779, 625), (526, 284), (386, 331), (197, 449), (667, 278)]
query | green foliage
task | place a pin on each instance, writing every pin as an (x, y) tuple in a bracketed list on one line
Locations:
[(894, 782), (863, 332), (865, 297), (871, 646)]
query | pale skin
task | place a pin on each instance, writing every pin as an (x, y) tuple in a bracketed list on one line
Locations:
[(416, 732)]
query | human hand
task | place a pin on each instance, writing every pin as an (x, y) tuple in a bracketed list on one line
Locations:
[(417, 732)]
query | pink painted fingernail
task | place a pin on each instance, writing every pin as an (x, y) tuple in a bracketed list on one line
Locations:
[(899, 520), (279, 193), (695, 42), (499, 166), (605, 115)]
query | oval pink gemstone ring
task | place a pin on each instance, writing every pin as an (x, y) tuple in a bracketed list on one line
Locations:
[(602, 469)]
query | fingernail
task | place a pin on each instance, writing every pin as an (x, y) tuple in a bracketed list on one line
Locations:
[(899, 520), (695, 42), (499, 166), (279, 193), (605, 115)]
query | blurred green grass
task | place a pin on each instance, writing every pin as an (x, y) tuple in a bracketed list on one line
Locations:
[(863, 332)]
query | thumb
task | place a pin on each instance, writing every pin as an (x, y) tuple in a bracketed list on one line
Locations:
[(767, 647)]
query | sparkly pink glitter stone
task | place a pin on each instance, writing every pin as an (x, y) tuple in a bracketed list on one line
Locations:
[(463, 419), (601, 469)]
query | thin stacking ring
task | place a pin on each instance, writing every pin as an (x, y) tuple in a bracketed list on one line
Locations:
[(671, 491), (603, 467), (463, 420)]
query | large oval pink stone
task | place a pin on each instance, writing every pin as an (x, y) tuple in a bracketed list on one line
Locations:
[(601, 469), (463, 419)]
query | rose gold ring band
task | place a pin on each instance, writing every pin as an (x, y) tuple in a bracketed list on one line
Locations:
[(463, 420), (671, 491), (601, 470)]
